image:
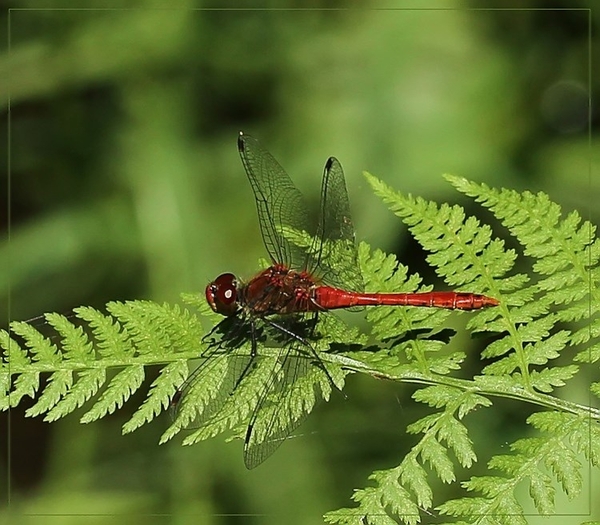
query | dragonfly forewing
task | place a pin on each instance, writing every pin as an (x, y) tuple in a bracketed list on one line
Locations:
[(279, 203)]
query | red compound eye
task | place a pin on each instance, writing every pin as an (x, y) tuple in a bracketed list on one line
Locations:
[(221, 294)]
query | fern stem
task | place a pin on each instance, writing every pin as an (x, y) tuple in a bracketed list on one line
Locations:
[(475, 386)]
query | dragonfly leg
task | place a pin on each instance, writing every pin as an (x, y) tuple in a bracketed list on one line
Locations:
[(253, 353)]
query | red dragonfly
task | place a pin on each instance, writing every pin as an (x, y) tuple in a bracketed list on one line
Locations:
[(301, 283)]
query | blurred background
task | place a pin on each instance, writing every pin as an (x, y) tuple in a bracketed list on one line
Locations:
[(124, 182)]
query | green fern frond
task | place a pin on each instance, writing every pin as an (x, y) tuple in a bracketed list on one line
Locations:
[(566, 253), (78, 356), (94, 361), (464, 246), (441, 432), (534, 461), (527, 343)]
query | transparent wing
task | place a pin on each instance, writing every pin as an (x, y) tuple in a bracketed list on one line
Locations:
[(223, 365), (296, 383), (278, 202), (209, 387), (272, 421), (333, 255)]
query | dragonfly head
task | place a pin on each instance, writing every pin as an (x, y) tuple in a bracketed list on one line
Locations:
[(222, 294)]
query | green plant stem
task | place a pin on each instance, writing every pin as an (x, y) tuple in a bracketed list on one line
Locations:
[(477, 385)]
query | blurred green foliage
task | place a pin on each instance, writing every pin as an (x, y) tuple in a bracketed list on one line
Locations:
[(124, 183)]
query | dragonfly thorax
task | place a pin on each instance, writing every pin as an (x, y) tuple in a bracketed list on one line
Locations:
[(222, 294), (278, 291)]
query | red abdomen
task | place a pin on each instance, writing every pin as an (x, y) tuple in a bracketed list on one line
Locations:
[(330, 298)]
